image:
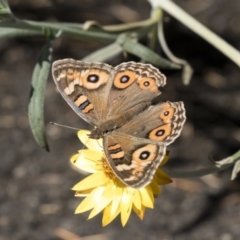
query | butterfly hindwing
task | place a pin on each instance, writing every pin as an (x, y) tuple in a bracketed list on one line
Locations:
[(134, 160), (162, 122)]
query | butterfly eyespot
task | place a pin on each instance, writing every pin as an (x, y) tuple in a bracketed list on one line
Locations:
[(124, 79), (160, 132), (144, 155), (147, 84), (93, 78), (166, 113)]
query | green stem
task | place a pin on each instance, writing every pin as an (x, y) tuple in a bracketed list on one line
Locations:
[(123, 27), (217, 167), (182, 16), (106, 34), (158, 14), (68, 30)]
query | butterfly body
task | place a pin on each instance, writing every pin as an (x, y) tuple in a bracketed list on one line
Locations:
[(118, 102)]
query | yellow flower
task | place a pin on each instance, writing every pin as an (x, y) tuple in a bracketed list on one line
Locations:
[(104, 192)]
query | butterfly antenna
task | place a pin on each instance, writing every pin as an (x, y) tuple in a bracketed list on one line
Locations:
[(99, 144), (60, 125), (83, 146)]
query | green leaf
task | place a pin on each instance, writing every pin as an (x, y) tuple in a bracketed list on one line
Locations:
[(13, 32), (4, 4), (236, 170), (5, 11), (35, 107), (104, 53), (146, 54)]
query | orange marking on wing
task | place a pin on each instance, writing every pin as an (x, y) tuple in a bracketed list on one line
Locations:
[(167, 113), (120, 82), (117, 155), (81, 100), (76, 75), (116, 146), (160, 133), (147, 84), (103, 78), (150, 152), (88, 108), (70, 75)]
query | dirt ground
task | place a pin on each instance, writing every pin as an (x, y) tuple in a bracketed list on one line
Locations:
[(35, 197)]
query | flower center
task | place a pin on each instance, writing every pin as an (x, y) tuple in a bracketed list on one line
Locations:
[(107, 169)]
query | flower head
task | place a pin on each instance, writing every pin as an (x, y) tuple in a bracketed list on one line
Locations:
[(104, 192)]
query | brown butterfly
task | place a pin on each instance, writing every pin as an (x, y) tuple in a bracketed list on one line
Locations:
[(118, 101)]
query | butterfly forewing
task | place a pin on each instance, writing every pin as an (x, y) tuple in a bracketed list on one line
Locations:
[(135, 85), (85, 86)]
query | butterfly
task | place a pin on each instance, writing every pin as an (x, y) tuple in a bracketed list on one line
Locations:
[(118, 102)]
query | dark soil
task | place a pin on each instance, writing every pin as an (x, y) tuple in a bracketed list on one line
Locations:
[(35, 197)]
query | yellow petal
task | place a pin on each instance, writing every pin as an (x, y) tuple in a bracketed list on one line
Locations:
[(103, 201), (155, 186), (147, 197), (126, 206), (83, 193), (116, 200), (90, 201), (162, 177), (137, 199), (92, 144), (92, 181), (108, 216), (74, 158), (165, 159), (91, 155), (87, 160), (140, 212)]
